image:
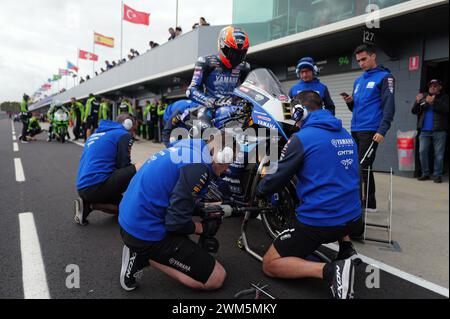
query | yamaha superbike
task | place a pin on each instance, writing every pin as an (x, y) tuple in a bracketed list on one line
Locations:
[(260, 119)]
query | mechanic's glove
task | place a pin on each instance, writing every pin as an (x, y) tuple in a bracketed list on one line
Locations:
[(211, 226)]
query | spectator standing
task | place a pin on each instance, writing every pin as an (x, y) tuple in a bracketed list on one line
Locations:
[(172, 34), (108, 65), (178, 31), (202, 22), (373, 108), (432, 110)]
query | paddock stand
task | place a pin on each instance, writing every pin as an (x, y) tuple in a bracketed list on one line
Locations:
[(388, 225)]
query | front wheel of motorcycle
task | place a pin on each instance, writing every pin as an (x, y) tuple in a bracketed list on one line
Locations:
[(62, 135)]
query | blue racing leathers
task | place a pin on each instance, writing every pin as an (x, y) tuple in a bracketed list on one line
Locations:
[(373, 104), (177, 107), (104, 152), (316, 86), (212, 80), (161, 196), (324, 157)]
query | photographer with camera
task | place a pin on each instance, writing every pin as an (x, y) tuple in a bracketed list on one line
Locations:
[(432, 110), (156, 214)]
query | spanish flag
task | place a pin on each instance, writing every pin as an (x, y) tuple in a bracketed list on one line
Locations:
[(102, 40)]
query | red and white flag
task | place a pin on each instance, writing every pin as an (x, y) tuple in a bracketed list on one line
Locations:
[(134, 16), (87, 56)]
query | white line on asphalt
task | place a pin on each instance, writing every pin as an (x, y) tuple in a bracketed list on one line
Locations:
[(78, 143), (12, 127), (399, 273), (20, 175), (15, 147), (33, 270), (14, 138)]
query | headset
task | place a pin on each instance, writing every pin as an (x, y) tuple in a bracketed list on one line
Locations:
[(306, 62), (128, 124), (299, 113), (224, 156)]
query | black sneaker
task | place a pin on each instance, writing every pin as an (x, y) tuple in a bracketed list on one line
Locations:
[(82, 210), (343, 279), (131, 270), (424, 178), (438, 179), (346, 250)]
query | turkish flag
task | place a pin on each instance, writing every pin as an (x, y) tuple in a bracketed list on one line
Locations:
[(87, 56), (134, 16)]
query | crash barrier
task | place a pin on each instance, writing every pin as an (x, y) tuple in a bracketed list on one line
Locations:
[(406, 151)]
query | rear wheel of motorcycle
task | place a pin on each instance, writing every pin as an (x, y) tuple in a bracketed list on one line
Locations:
[(274, 223)]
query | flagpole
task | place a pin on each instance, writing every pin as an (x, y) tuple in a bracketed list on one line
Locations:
[(121, 31), (93, 62), (78, 61), (176, 19)]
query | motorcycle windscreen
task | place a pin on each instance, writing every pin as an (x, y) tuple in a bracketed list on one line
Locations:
[(262, 88)]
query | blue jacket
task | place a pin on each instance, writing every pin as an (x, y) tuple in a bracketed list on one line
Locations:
[(160, 197), (324, 157), (212, 80), (317, 86), (374, 101), (177, 107), (104, 152)]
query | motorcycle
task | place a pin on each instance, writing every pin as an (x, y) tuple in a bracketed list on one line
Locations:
[(60, 124), (260, 119)]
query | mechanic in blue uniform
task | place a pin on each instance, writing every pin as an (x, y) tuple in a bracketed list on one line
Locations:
[(324, 158), (307, 72), (105, 168), (215, 77), (156, 214)]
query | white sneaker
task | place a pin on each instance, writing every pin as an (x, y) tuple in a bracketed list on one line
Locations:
[(371, 210)]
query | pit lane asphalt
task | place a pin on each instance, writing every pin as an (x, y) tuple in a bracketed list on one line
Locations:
[(48, 192)]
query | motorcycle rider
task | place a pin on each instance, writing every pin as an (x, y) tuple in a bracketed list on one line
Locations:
[(55, 106), (307, 72), (105, 168), (215, 77), (156, 214), (324, 157), (24, 117), (91, 114), (77, 110)]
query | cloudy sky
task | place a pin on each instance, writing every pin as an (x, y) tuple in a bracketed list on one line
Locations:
[(37, 37)]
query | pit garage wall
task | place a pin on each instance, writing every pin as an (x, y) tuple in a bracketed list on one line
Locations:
[(408, 84)]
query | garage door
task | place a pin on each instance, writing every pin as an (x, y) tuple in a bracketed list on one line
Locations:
[(337, 83)]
